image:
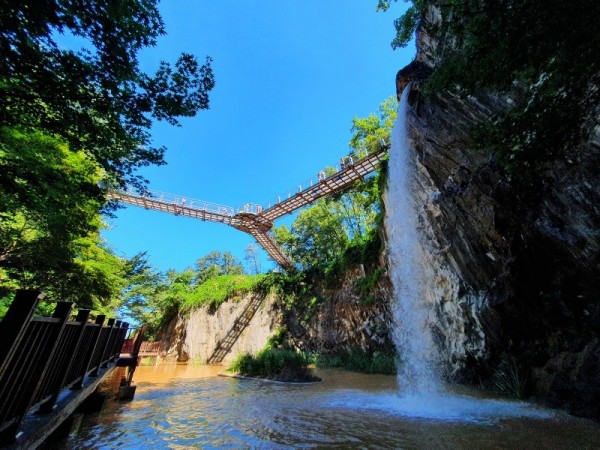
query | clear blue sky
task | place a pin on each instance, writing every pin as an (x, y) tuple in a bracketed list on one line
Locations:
[(290, 76)]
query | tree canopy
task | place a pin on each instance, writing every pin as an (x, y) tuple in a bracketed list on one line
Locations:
[(217, 263), (75, 122), (95, 98), (155, 298)]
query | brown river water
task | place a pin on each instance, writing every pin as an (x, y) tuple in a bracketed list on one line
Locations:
[(178, 407)]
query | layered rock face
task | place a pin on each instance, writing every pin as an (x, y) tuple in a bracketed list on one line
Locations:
[(516, 274), (338, 319), (345, 320)]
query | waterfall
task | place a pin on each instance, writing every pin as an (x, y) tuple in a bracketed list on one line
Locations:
[(411, 334)]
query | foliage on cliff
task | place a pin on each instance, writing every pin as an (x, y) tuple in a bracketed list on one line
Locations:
[(542, 52), (340, 226), (155, 298)]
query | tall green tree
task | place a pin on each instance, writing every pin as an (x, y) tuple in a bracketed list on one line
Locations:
[(217, 263), (97, 99), (369, 133), (49, 199), (323, 232), (74, 122), (315, 238), (144, 282)]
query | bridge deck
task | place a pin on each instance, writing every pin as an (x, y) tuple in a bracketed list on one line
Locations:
[(330, 185), (259, 221)]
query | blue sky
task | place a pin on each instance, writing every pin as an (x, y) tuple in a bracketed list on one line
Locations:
[(290, 76)]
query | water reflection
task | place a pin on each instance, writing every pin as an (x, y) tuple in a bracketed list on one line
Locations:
[(190, 407)]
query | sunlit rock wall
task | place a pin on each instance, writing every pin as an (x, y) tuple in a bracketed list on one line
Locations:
[(218, 335), (335, 319)]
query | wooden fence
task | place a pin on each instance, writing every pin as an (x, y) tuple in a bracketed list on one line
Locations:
[(41, 356)]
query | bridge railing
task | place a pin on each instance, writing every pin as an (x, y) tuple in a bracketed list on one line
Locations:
[(189, 202), (347, 160), (41, 356)]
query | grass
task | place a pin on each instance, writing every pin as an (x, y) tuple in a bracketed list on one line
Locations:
[(275, 364), (216, 290), (359, 360), (511, 380)]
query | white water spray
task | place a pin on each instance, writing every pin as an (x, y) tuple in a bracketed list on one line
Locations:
[(412, 334), (421, 392)]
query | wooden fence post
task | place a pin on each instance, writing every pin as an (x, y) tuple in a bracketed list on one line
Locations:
[(61, 312), (82, 317), (107, 356), (98, 362), (15, 323), (99, 322), (34, 378)]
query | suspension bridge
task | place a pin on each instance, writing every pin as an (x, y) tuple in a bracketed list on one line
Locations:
[(255, 219)]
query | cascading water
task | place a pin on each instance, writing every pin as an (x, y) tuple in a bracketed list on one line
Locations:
[(416, 371), (420, 389)]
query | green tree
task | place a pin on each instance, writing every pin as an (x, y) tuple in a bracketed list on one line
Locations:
[(74, 122), (406, 24), (155, 299), (164, 303), (95, 98), (315, 238), (49, 199), (322, 233), (97, 279), (144, 282), (215, 264), (369, 132)]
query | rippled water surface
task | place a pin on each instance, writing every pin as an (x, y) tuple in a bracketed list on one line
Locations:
[(191, 407)]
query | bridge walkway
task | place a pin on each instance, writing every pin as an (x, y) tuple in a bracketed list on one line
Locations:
[(254, 219)]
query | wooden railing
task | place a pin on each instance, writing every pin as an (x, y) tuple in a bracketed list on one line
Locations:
[(41, 356), (146, 348)]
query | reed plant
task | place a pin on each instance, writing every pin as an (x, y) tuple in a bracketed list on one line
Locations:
[(511, 380)]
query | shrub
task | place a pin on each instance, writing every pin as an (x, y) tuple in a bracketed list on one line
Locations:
[(274, 364)]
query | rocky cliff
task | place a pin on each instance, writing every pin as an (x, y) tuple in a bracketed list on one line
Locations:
[(330, 318), (217, 336), (516, 273)]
